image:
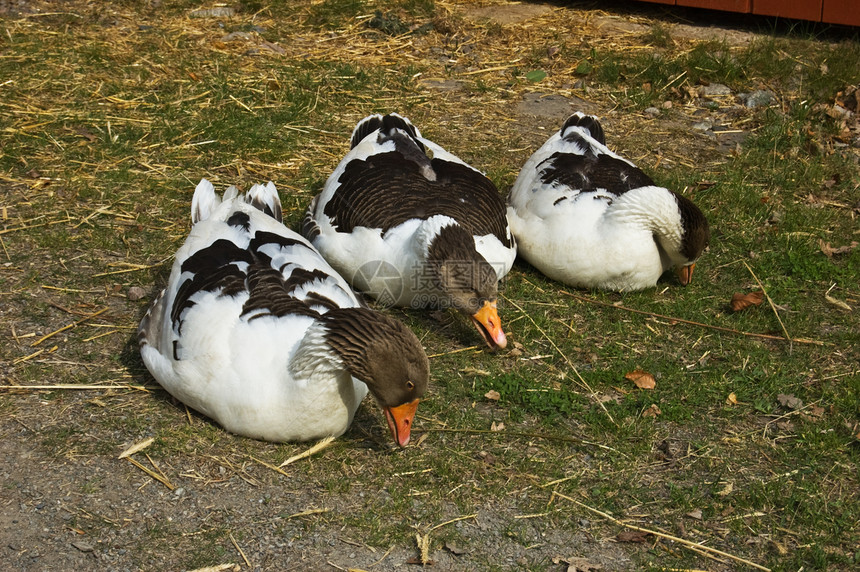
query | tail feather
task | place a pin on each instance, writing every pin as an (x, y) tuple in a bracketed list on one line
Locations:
[(266, 199), (204, 202), (151, 324), (588, 122)]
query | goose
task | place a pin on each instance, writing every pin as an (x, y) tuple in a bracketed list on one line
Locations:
[(412, 225), (586, 217), (256, 331)]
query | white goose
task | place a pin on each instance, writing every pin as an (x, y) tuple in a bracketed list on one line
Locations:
[(589, 218), (258, 332), (413, 225)]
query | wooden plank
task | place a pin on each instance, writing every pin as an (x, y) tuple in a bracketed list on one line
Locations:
[(798, 9), (670, 2), (742, 6), (845, 12)]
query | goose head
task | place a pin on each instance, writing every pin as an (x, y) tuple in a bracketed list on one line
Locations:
[(468, 281), (694, 238), (384, 354)]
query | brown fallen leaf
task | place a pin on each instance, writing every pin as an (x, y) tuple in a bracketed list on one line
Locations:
[(790, 401), (830, 251), (493, 395), (454, 549), (652, 411), (642, 379), (86, 134), (732, 399), (743, 301), (816, 411), (496, 427), (631, 536), (695, 513)]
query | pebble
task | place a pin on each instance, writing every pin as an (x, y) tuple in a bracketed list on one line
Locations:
[(702, 126), (652, 111), (757, 98), (135, 293), (714, 89)]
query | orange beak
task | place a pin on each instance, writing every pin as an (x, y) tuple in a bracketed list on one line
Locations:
[(490, 326), (685, 273), (400, 421)]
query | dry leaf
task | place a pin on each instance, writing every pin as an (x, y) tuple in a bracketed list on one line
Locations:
[(816, 411), (727, 490), (607, 397), (790, 401), (493, 395), (829, 251), (642, 379), (497, 426), (695, 513), (86, 134), (732, 399), (652, 411), (785, 425), (631, 536), (742, 301)]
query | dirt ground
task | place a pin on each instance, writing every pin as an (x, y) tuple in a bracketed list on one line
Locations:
[(68, 503)]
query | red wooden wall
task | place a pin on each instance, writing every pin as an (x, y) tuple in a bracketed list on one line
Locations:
[(845, 12)]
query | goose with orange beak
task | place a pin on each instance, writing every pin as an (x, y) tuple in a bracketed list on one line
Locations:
[(413, 225), (258, 332), (587, 217)]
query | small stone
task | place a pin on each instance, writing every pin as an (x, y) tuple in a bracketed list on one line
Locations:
[(702, 126), (135, 293), (652, 111), (758, 98), (667, 104), (714, 89), (83, 546)]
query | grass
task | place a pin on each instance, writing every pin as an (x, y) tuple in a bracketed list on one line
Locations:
[(107, 124)]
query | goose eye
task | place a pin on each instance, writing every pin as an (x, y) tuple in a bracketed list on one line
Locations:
[(410, 386)]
